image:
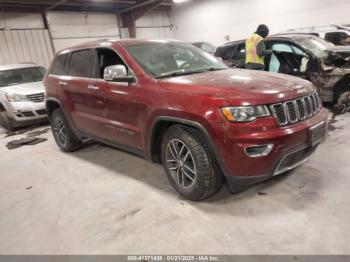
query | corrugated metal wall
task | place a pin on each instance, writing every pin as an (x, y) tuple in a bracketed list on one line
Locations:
[(23, 38), (153, 25), (21, 46), (69, 29)]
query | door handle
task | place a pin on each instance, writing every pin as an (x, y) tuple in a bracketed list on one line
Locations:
[(62, 83), (93, 87)]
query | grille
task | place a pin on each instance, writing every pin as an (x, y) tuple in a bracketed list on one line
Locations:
[(297, 110), (28, 113), (37, 98), (41, 112)]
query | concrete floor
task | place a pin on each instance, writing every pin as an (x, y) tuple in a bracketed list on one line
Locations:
[(104, 201)]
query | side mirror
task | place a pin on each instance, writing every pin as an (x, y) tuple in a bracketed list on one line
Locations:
[(117, 73)]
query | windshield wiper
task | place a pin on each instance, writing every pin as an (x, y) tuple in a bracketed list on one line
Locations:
[(176, 73), (181, 72)]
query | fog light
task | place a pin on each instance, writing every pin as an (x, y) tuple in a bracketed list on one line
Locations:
[(258, 151)]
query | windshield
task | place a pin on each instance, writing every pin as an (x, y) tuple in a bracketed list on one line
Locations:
[(317, 46), (165, 59), (21, 75), (208, 47)]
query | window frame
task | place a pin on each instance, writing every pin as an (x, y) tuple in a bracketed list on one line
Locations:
[(96, 62), (92, 64), (65, 64)]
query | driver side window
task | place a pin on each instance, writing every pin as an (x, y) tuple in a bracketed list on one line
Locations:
[(107, 57)]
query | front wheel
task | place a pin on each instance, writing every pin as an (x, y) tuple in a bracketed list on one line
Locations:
[(6, 121), (66, 140), (189, 163)]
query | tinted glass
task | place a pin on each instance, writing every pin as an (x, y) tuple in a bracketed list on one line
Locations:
[(107, 57), (59, 67), (162, 59), (338, 38), (239, 54), (228, 53), (80, 64), (21, 76)]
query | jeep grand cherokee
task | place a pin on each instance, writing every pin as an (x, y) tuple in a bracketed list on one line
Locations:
[(174, 104)]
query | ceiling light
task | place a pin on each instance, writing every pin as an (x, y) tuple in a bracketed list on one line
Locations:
[(179, 1)]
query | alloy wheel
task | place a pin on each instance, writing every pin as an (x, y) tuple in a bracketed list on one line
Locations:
[(180, 163), (60, 131)]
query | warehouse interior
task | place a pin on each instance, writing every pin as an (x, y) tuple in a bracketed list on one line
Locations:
[(110, 198)]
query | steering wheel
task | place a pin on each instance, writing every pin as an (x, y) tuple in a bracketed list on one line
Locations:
[(187, 63)]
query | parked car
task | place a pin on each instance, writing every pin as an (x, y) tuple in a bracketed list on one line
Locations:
[(22, 95), (305, 56), (207, 47), (175, 104), (335, 34)]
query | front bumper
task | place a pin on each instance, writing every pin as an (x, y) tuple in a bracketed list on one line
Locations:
[(290, 149), (25, 112)]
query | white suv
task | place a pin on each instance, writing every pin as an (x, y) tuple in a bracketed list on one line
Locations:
[(22, 95), (336, 34)]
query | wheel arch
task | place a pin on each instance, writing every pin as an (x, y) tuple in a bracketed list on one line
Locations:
[(339, 86), (51, 105), (161, 124)]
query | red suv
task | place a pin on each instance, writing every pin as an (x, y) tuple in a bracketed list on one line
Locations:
[(174, 104)]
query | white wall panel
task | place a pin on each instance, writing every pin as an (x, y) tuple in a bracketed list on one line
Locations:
[(209, 20), (19, 46), (153, 25), (21, 21), (69, 29)]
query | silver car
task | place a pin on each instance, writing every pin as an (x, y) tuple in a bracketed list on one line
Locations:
[(22, 95)]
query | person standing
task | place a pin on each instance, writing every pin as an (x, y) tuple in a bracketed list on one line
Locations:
[(256, 49)]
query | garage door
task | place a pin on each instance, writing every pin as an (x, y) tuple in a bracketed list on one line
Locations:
[(25, 46), (69, 29)]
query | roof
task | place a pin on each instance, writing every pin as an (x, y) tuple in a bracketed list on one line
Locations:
[(112, 6), (109, 42), (16, 66)]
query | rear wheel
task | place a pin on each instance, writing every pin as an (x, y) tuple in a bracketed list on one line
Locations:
[(66, 140), (189, 163)]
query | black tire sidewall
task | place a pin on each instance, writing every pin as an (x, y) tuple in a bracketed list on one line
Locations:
[(204, 169), (73, 143)]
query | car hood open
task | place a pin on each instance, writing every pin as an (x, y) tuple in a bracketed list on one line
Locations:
[(257, 87), (25, 89)]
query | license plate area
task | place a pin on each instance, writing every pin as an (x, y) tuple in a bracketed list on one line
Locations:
[(317, 134)]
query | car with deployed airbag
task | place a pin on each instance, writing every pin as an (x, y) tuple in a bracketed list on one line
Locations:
[(327, 66)]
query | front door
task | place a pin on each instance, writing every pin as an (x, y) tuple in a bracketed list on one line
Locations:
[(121, 107), (287, 59)]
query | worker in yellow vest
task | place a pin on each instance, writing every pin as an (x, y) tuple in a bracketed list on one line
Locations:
[(256, 49)]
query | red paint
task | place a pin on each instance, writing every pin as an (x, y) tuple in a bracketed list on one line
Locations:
[(126, 114)]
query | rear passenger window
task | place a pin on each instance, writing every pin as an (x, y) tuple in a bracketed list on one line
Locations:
[(239, 54), (59, 67), (80, 64), (228, 53)]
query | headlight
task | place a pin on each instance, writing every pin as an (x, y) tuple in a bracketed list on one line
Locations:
[(245, 113), (16, 97)]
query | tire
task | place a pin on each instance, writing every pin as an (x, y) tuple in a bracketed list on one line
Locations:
[(6, 121), (342, 87), (66, 140), (189, 163)]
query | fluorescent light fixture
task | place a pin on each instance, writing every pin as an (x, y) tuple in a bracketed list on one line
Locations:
[(179, 1)]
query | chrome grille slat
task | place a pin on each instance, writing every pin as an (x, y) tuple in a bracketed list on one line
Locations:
[(296, 110), (37, 98)]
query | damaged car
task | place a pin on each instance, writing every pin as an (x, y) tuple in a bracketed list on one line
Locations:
[(305, 56)]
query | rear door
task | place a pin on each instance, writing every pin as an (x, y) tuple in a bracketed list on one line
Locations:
[(84, 95), (238, 56)]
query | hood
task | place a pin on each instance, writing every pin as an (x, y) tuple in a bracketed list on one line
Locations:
[(25, 89), (237, 85), (338, 56)]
